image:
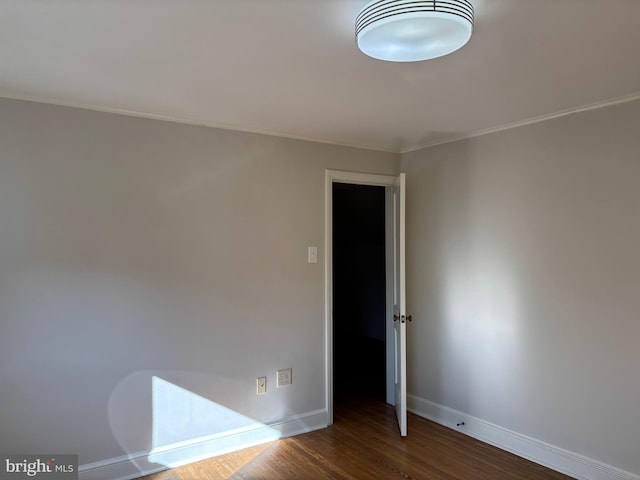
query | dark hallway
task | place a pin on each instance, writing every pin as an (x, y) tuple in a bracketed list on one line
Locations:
[(359, 290)]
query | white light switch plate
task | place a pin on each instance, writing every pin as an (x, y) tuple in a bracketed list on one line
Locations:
[(312, 256)]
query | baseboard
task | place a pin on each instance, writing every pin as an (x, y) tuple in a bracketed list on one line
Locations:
[(139, 464), (569, 463)]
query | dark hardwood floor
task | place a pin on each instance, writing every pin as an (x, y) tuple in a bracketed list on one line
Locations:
[(364, 443)]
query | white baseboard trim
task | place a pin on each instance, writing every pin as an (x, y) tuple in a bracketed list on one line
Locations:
[(564, 461), (138, 464)]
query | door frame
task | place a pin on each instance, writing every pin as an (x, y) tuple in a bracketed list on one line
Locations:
[(357, 178)]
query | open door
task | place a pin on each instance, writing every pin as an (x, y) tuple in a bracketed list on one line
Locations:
[(400, 317), (396, 304)]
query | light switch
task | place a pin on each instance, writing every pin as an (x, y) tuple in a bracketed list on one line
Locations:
[(312, 256)]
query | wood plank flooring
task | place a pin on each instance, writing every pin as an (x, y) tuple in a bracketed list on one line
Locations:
[(364, 443)]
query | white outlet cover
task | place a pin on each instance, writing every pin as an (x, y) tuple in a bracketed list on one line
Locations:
[(261, 385), (284, 377)]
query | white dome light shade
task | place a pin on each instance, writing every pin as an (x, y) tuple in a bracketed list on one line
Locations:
[(410, 31)]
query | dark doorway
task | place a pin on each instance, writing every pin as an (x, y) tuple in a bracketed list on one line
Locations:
[(359, 291)]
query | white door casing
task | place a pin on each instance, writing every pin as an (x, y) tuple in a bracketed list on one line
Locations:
[(397, 355)]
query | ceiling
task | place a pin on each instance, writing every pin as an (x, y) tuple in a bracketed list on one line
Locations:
[(291, 67)]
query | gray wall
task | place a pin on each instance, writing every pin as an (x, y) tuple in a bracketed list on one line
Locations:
[(134, 248), (524, 279)]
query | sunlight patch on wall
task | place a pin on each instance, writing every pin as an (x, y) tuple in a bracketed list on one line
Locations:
[(187, 427)]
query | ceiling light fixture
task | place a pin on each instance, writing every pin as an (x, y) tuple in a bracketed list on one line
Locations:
[(410, 31)]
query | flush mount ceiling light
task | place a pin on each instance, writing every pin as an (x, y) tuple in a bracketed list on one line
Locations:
[(410, 31)]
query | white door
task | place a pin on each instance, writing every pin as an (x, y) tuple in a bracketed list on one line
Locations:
[(396, 285), (400, 316)]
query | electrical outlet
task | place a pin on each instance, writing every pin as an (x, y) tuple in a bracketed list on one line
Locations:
[(284, 377), (261, 385)]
